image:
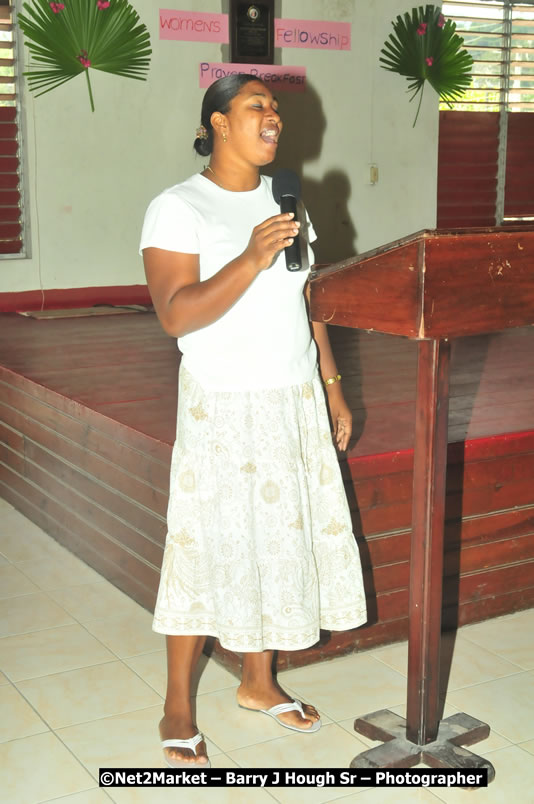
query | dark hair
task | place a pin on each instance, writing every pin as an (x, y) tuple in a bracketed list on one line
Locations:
[(217, 99)]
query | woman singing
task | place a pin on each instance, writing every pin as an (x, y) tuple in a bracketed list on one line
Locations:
[(259, 552)]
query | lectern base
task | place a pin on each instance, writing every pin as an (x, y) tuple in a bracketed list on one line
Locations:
[(444, 752)]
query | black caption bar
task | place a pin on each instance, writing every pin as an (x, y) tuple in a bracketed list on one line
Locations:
[(292, 777)]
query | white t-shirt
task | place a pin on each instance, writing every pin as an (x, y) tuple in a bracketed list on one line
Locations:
[(264, 339)]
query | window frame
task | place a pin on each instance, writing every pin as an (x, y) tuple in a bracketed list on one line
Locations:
[(18, 45), (504, 104)]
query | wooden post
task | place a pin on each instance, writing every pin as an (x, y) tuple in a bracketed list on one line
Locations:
[(426, 559), (421, 737)]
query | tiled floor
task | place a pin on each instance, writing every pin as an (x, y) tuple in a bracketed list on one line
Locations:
[(83, 677)]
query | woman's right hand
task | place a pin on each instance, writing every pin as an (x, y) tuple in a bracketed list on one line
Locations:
[(184, 303), (269, 238)]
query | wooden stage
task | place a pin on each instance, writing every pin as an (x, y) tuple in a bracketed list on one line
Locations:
[(87, 422)]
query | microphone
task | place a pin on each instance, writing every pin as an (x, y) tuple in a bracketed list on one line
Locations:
[(286, 192)]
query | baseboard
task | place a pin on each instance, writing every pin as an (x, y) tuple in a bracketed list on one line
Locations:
[(61, 298)]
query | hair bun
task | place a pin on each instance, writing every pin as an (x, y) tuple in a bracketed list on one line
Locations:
[(202, 146)]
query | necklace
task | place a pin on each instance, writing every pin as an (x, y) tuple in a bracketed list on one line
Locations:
[(209, 167)]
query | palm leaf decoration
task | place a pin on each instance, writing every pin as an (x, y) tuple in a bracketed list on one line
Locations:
[(426, 47), (74, 36)]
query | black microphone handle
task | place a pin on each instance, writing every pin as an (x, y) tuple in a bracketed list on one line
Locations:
[(288, 203)]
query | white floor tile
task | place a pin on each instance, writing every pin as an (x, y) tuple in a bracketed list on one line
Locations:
[(53, 574), (506, 704), (54, 650), (354, 685), (21, 540), (14, 583), (18, 718), (78, 696), (509, 637), (127, 635), (462, 662), (528, 746), (129, 740), (39, 768), (152, 668), (95, 601), (514, 781), (20, 615)]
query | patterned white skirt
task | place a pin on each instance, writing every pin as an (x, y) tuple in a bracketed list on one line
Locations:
[(260, 551)]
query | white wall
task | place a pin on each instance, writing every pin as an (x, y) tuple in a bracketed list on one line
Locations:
[(91, 176)]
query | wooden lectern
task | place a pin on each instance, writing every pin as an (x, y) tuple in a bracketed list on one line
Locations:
[(432, 286)]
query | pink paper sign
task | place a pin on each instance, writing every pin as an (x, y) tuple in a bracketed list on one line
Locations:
[(193, 26), (312, 34), (278, 78)]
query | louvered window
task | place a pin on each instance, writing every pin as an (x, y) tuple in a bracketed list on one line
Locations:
[(11, 195), (486, 162)]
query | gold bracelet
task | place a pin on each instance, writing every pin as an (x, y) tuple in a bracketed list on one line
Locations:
[(332, 380)]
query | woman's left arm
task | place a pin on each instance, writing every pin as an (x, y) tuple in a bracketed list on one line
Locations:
[(339, 410)]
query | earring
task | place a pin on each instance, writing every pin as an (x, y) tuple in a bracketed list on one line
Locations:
[(225, 138)]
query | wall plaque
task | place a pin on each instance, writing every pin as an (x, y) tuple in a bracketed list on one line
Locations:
[(252, 32)]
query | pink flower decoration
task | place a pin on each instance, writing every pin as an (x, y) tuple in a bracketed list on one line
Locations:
[(84, 60), (422, 29), (103, 4), (430, 61), (57, 7), (441, 21)]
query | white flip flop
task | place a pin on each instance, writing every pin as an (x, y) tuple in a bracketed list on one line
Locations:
[(191, 743), (280, 709)]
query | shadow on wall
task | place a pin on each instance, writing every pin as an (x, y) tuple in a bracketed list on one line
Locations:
[(326, 199)]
